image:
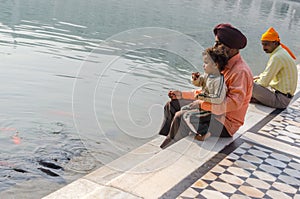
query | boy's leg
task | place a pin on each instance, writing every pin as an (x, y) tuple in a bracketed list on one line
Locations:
[(210, 127), (199, 123), (217, 129)]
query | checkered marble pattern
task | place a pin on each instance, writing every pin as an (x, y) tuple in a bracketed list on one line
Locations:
[(250, 171), (286, 126)]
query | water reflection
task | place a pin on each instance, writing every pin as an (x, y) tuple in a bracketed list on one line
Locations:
[(244, 6), (296, 14), (266, 8), (230, 4), (281, 9), (47, 39), (295, 1)]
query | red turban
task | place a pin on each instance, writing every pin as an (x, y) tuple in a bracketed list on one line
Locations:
[(230, 36)]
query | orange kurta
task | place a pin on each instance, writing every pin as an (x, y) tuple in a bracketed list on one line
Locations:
[(239, 81)]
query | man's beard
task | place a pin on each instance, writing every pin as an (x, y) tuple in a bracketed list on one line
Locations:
[(224, 50)]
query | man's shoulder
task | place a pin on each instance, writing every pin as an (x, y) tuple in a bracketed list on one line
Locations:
[(280, 55), (237, 65), (242, 66), (281, 52), (239, 70)]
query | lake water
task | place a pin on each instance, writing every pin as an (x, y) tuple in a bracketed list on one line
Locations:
[(85, 81)]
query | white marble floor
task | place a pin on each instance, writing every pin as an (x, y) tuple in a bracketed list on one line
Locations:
[(265, 165)]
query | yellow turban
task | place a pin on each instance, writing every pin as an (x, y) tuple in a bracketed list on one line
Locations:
[(272, 35)]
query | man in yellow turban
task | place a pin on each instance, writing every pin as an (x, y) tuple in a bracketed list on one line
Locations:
[(276, 85)]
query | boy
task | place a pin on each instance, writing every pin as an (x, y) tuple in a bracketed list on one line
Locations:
[(213, 89)]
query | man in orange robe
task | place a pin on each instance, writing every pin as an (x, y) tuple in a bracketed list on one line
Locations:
[(226, 117)]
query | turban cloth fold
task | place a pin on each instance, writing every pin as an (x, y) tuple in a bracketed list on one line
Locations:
[(230, 36), (272, 35)]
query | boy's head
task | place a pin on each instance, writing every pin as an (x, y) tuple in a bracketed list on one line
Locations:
[(217, 56)]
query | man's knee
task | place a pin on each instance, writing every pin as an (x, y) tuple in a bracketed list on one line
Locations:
[(172, 106), (257, 89)]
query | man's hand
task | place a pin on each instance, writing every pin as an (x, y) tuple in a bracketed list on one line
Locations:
[(175, 95), (255, 78)]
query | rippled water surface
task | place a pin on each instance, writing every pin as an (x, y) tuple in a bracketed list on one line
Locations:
[(84, 81)]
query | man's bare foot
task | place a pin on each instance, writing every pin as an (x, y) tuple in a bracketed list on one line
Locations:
[(202, 137)]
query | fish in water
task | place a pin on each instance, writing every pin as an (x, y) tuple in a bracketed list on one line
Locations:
[(48, 172), (50, 165), (20, 170)]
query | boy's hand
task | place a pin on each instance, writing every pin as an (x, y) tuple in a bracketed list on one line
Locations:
[(195, 76)]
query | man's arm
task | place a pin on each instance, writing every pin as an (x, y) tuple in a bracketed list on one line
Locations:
[(272, 68)]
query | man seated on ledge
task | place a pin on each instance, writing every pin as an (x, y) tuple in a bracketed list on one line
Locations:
[(276, 86), (228, 116)]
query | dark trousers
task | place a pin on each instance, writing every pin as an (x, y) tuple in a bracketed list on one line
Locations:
[(173, 116), (268, 98), (175, 127)]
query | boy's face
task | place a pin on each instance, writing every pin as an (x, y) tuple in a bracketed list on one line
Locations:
[(209, 66)]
